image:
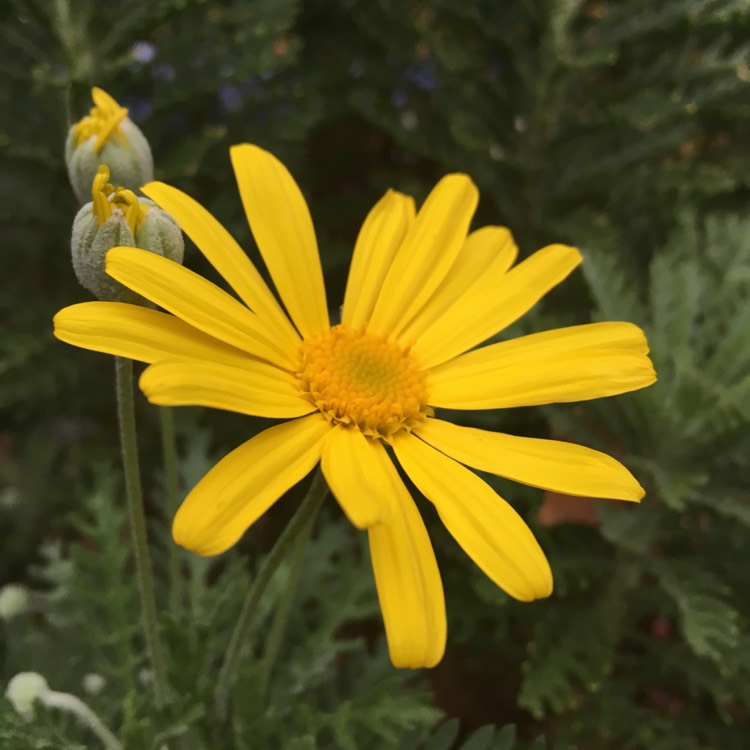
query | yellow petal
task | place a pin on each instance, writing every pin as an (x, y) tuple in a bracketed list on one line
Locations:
[(244, 484), (491, 533), (103, 100), (283, 230), (258, 388), (351, 465), (377, 243), (547, 464), (426, 253), (567, 364), (409, 587), (196, 301), (485, 257), (494, 308), (225, 255), (139, 333)]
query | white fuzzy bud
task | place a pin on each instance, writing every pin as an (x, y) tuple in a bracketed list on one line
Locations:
[(93, 683), (14, 601), (24, 690)]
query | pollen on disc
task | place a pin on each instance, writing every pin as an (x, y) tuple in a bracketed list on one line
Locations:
[(363, 380)]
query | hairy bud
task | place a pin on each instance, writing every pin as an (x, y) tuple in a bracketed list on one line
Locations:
[(107, 136), (117, 217)]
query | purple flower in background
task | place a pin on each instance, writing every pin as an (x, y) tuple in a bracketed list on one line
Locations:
[(423, 75), (143, 52), (230, 96)]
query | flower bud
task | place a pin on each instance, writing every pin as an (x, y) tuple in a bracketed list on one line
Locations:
[(24, 690), (107, 136), (14, 601), (93, 683), (117, 217)]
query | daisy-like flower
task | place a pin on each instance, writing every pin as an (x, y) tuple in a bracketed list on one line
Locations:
[(422, 293)]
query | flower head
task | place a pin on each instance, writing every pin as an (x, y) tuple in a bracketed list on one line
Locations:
[(422, 293), (107, 136), (116, 217)]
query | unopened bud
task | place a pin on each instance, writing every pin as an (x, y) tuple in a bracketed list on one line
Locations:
[(93, 683), (107, 136), (24, 690), (14, 601), (116, 217)]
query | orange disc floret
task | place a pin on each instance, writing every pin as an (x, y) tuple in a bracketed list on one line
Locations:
[(363, 380)]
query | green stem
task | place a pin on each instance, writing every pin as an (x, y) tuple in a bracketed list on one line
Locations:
[(169, 453), (297, 529), (281, 616), (71, 26), (126, 416)]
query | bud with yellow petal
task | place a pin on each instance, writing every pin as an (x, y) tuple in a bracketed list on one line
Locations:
[(117, 217), (107, 136)]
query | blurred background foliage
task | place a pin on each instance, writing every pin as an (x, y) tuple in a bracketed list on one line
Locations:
[(620, 127)]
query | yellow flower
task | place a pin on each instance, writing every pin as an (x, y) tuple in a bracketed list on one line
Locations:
[(421, 296)]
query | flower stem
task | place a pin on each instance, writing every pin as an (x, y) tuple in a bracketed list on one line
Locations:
[(169, 454), (126, 416), (281, 616), (297, 530), (74, 705)]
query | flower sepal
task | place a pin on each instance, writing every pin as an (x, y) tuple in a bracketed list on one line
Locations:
[(159, 233)]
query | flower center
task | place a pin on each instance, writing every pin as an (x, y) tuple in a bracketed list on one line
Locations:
[(363, 380), (103, 121), (106, 197)]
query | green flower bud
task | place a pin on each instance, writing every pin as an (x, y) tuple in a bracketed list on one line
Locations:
[(107, 136), (160, 233), (116, 217)]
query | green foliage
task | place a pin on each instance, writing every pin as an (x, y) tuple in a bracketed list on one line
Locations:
[(709, 622), (667, 627), (559, 661), (44, 734), (89, 624), (489, 737), (561, 107)]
